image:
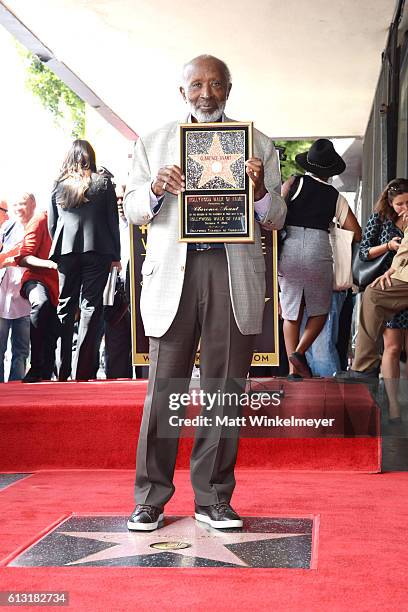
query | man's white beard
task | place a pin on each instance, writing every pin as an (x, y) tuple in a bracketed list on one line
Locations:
[(203, 117)]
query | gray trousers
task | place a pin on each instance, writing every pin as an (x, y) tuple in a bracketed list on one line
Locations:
[(204, 312), (377, 307)]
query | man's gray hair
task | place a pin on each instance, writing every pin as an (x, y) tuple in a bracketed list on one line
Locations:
[(205, 57), (28, 196), (22, 196)]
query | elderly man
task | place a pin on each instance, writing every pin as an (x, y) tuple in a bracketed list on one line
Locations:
[(216, 294), (14, 309), (39, 286)]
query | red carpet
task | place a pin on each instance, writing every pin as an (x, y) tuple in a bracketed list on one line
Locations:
[(95, 425), (362, 550), (362, 556)]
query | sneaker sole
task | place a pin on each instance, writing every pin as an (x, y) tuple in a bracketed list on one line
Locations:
[(145, 526), (218, 524)]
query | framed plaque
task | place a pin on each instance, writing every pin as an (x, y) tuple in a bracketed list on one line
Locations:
[(217, 204)]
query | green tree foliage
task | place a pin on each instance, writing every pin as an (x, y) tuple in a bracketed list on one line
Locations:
[(291, 149), (55, 96)]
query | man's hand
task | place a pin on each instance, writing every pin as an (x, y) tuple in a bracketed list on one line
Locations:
[(116, 264), (255, 171), (384, 280), (168, 178)]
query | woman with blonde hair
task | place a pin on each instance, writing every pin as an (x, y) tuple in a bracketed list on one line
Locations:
[(84, 227), (383, 234)]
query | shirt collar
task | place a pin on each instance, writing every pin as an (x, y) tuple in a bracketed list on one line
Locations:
[(316, 178)]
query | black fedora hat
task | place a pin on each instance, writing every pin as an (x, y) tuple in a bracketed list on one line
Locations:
[(321, 159)]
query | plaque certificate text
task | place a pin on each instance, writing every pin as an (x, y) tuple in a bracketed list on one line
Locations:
[(217, 204)]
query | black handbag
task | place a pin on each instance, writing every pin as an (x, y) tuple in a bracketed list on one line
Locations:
[(114, 314), (365, 272)]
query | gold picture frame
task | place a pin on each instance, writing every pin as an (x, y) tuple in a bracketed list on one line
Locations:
[(217, 204)]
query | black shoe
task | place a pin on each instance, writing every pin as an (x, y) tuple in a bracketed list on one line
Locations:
[(300, 363), (294, 377), (395, 421), (220, 516), (31, 377), (368, 376), (145, 518)]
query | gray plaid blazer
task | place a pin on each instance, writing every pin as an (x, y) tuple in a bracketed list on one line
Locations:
[(164, 266)]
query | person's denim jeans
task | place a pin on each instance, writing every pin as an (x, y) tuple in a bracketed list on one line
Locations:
[(322, 357), (20, 346)]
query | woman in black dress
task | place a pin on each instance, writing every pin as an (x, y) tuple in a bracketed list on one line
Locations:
[(84, 227), (383, 234)]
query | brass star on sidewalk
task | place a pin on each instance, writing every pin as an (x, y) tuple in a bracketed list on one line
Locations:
[(216, 163), (203, 541)]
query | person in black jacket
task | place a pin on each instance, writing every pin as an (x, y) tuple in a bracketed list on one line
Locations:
[(84, 227)]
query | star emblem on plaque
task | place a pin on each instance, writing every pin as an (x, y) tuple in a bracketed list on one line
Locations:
[(217, 204)]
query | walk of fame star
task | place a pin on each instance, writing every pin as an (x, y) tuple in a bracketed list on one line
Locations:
[(8, 479), (216, 163), (181, 542), (205, 542)]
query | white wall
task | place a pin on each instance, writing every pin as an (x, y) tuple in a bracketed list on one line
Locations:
[(31, 146)]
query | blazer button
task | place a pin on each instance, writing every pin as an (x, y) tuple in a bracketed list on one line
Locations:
[(182, 268)]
